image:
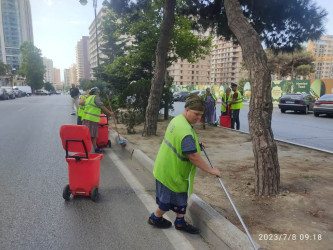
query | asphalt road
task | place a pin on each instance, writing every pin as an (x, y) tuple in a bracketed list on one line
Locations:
[(308, 130), (33, 172)]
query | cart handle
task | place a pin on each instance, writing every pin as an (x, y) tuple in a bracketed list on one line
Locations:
[(78, 158)]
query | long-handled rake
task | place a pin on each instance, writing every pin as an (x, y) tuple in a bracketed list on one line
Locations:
[(120, 142), (232, 204)]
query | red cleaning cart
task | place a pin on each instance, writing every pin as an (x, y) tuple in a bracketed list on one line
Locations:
[(83, 167), (102, 140), (225, 120)]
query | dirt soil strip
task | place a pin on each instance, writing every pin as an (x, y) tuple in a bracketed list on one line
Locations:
[(301, 217)]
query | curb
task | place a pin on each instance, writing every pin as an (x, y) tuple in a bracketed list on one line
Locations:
[(215, 228)]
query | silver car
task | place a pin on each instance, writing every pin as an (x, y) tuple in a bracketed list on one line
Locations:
[(324, 105)]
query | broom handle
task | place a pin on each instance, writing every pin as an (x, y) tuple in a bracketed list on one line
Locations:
[(114, 118)]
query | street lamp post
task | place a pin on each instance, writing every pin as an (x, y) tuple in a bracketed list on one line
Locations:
[(84, 2)]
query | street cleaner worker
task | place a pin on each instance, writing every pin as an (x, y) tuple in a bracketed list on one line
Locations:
[(82, 100), (175, 167), (91, 115)]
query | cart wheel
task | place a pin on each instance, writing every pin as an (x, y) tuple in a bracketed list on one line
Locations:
[(94, 194), (109, 143), (66, 194)]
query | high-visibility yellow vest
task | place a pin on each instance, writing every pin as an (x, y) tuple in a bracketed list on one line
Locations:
[(172, 168), (239, 101), (81, 107), (91, 111), (204, 96), (224, 99)]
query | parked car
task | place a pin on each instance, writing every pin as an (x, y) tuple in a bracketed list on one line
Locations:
[(180, 96), (296, 102), (26, 90), (18, 92), (324, 105), (42, 92), (10, 91), (198, 92), (3, 94)]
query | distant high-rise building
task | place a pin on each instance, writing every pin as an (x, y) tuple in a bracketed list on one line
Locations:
[(92, 39), (57, 79), (82, 59), (73, 74), (67, 77), (226, 62), (322, 51), (49, 73), (15, 28)]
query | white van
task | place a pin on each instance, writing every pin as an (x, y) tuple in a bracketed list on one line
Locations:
[(26, 89)]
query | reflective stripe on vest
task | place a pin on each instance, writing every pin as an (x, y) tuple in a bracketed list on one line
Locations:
[(175, 151), (81, 107), (239, 101), (91, 111)]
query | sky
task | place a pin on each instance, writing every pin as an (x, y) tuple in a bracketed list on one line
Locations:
[(59, 24)]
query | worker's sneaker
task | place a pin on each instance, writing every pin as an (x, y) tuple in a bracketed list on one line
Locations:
[(187, 228), (159, 223), (73, 113), (99, 150)]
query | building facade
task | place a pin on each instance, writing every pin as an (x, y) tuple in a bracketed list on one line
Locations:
[(186, 73), (322, 51), (67, 77), (73, 75), (15, 28), (226, 62), (49, 72), (92, 48), (57, 79), (82, 59)]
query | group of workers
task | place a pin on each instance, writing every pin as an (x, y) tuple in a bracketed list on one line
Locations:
[(89, 112), (179, 154), (231, 105)]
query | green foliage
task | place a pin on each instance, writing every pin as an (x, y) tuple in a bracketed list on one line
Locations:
[(241, 83), (5, 69), (131, 34), (136, 95), (32, 66), (283, 64), (84, 84), (281, 25), (49, 86)]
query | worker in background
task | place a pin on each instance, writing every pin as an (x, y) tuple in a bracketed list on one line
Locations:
[(210, 107), (82, 100), (75, 93), (225, 101), (91, 115), (236, 103)]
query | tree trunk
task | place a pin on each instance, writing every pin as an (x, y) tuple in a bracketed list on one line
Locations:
[(160, 68), (266, 165)]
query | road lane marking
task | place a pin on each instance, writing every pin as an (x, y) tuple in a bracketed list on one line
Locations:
[(176, 239)]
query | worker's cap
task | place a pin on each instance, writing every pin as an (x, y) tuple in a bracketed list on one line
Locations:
[(208, 89), (195, 102), (94, 91), (233, 85)]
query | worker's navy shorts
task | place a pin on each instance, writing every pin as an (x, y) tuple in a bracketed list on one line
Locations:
[(169, 200)]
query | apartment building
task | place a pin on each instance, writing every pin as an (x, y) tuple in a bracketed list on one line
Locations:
[(73, 75), (82, 59), (186, 73), (322, 51), (226, 62), (95, 40), (67, 77), (49, 72), (56, 77), (15, 28)]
